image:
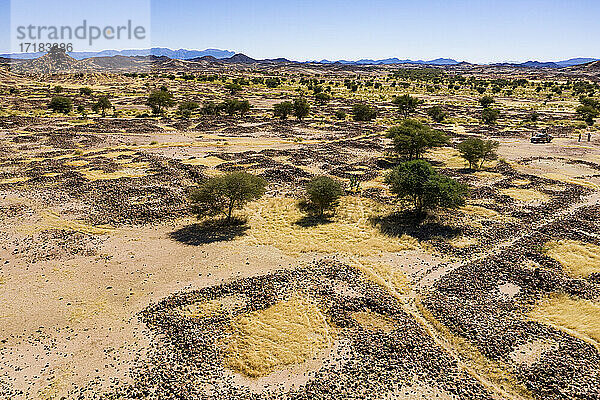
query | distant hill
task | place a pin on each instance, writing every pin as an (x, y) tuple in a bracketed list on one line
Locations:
[(54, 61), (576, 61), (180, 54), (537, 64), (387, 61), (214, 55), (240, 59)]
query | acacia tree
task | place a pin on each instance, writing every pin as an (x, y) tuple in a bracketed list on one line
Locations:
[(424, 187), (489, 116), (406, 104), (221, 195), (61, 104), (186, 108), (412, 138), (477, 151), (159, 100), (102, 104), (588, 110), (233, 88), (362, 112), (322, 194), (283, 109), (437, 114), (301, 108), (486, 101)]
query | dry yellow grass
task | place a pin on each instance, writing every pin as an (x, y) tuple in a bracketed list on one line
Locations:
[(463, 241), (385, 275), (373, 321), (579, 259), (86, 310), (568, 179), (479, 211), (448, 156), (488, 177), (526, 195), (497, 372), (130, 170), (210, 161), (114, 154), (77, 163), (51, 220), (521, 182), (289, 332), (13, 180), (578, 317), (273, 222)]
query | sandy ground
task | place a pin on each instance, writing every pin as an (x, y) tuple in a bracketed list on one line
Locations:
[(69, 319)]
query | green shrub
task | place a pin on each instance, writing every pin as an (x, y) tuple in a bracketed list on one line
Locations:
[(322, 195), (221, 195)]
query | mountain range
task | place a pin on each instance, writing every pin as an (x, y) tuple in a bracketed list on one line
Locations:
[(217, 55), (181, 54)]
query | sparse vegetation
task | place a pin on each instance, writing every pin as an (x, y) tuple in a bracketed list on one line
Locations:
[(160, 100), (322, 195), (425, 188), (362, 112), (222, 195), (412, 138), (406, 104), (477, 151), (301, 108), (102, 105), (283, 110), (61, 104)]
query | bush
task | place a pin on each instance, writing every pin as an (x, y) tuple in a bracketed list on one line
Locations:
[(486, 101), (489, 116), (81, 110), (322, 97), (406, 104), (231, 106), (233, 88), (159, 100), (322, 194), (283, 110), (301, 108), (437, 114), (340, 114), (424, 187), (210, 108), (85, 91), (221, 195), (362, 112), (477, 151), (412, 138), (186, 108), (587, 113), (102, 104), (61, 104), (272, 82), (243, 107)]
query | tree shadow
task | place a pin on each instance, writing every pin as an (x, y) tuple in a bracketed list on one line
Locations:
[(310, 221), (210, 231), (419, 226)]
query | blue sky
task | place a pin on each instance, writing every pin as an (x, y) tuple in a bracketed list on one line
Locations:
[(471, 30)]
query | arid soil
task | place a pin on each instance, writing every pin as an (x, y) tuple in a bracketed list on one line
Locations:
[(110, 287)]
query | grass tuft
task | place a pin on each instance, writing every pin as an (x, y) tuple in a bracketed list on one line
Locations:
[(579, 259), (274, 222), (578, 317), (289, 332)]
